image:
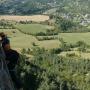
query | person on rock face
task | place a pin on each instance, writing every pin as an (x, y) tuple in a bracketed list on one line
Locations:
[(12, 58)]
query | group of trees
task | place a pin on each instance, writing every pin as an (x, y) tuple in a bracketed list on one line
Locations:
[(65, 25), (6, 25), (42, 38), (49, 32), (80, 46), (47, 71)]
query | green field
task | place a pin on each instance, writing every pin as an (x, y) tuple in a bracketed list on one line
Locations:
[(20, 40), (33, 28), (74, 37)]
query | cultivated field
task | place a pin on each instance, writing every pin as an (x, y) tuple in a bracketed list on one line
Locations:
[(74, 37), (35, 18), (20, 40), (33, 28)]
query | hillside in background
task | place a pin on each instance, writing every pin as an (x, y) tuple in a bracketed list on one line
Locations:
[(39, 6), (74, 10), (23, 6)]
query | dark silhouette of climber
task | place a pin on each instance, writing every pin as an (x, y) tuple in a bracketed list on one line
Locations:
[(12, 57)]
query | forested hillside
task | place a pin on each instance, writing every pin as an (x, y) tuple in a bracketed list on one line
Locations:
[(23, 6), (75, 6), (39, 6)]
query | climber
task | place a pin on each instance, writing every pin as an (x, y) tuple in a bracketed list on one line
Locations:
[(12, 57)]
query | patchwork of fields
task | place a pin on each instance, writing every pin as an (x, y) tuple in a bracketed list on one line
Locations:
[(21, 40)]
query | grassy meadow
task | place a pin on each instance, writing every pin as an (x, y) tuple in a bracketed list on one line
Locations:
[(33, 28), (20, 40), (74, 37)]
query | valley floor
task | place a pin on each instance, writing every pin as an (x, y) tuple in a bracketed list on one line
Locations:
[(20, 41)]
